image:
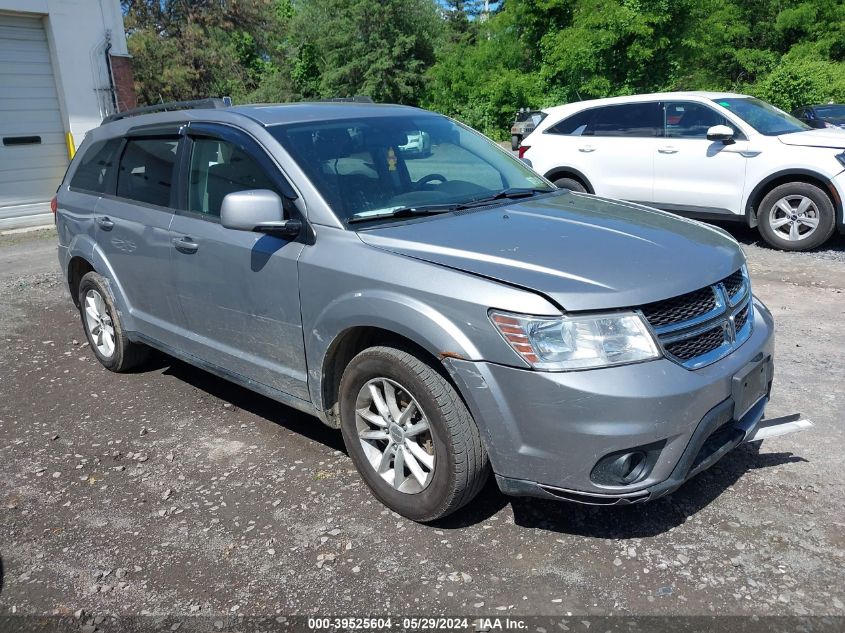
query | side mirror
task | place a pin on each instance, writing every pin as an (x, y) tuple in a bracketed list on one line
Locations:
[(720, 133), (258, 210)]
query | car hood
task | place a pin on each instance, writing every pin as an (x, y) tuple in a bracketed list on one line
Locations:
[(582, 251), (815, 138)]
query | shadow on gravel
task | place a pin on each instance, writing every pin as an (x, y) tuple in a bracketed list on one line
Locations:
[(650, 519), (835, 246), (247, 400)]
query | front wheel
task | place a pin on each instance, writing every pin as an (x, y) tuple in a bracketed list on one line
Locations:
[(796, 216), (515, 141), (571, 184), (410, 435)]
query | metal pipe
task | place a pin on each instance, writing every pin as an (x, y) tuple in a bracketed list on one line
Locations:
[(112, 90)]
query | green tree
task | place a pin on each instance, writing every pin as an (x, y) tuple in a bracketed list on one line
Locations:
[(193, 49), (378, 48)]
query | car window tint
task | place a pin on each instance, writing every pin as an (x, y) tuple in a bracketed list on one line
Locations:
[(219, 168), (630, 119), (146, 170), (691, 120), (96, 166), (575, 125)]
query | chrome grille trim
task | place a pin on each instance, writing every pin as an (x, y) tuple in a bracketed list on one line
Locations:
[(724, 316)]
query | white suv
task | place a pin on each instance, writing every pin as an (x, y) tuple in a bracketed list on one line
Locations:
[(707, 155)]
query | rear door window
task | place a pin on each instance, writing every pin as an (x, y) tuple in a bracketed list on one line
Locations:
[(146, 170), (631, 119), (97, 166)]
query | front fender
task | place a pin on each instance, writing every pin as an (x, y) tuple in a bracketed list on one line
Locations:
[(403, 315)]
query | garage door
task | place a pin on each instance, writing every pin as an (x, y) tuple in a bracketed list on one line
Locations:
[(33, 152)]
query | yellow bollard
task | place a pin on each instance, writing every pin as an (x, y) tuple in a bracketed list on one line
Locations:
[(71, 148)]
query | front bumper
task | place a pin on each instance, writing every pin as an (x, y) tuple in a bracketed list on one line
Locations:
[(545, 432)]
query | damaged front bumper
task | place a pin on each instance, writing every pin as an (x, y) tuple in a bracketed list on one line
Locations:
[(561, 435)]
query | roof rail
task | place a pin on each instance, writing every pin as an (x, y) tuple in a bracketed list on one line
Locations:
[(355, 99), (212, 103)]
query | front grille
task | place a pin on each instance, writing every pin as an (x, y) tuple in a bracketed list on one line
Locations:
[(733, 283), (698, 345), (741, 318), (683, 308), (702, 326)]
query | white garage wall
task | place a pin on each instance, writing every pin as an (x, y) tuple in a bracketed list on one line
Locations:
[(77, 32)]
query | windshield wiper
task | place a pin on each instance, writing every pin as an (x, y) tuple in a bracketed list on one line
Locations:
[(402, 212), (512, 193)]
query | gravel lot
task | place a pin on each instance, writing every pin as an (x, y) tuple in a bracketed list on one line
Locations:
[(169, 491)]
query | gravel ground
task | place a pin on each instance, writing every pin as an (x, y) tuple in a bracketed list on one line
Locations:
[(169, 491)]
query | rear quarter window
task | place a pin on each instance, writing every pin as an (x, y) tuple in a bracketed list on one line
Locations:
[(574, 125), (97, 167)]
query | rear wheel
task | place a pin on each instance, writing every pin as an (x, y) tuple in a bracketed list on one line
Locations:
[(796, 216), (103, 327), (569, 183), (515, 141), (410, 435)]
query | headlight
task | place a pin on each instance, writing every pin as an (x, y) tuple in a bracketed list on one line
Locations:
[(841, 158), (567, 343)]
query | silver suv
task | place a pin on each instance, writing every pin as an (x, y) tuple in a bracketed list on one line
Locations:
[(450, 312)]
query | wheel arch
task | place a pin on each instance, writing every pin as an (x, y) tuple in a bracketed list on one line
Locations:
[(570, 172), (85, 255), (77, 268), (786, 176), (352, 324)]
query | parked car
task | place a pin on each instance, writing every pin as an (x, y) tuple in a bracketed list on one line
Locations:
[(828, 115), (450, 316), (418, 144), (523, 125), (707, 155)]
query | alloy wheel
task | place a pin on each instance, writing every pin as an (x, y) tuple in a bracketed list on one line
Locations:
[(794, 217), (99, 323), (395, 435)]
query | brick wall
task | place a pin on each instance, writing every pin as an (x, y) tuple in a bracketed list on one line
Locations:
[(124, 82)]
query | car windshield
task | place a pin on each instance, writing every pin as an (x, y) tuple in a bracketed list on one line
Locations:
[(762, 116), (834, 113), (372, 166)]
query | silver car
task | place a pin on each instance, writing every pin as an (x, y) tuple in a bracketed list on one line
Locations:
[(452, 314)]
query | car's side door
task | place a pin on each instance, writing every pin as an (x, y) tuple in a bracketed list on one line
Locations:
[(132, 229), (693, 174), (614, 148), (239, 290)]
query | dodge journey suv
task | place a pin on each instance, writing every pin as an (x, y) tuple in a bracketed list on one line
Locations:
[(451, 313)]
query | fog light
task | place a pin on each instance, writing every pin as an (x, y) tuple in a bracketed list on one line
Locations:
[(626, 467)]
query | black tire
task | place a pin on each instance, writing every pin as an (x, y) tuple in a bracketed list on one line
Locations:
[(824, 206), (461, 466), (570, 183), (516, 139), (126, 354)]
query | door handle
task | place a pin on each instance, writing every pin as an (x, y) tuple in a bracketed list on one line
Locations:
[(667, 150), (105, 223), (185, 244), (587, 149)]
